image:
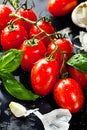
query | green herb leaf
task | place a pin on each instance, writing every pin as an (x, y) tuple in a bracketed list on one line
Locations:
[(16, 89), (10, 60), (15, 3), (79, 61)]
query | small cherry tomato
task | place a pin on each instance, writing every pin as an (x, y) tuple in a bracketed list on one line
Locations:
[(13, 37), (44, 75), (4, 16), (45, 26), (33, 50), (79, 76), (61, 7), (68, 94), (26, 13), (65, 49)]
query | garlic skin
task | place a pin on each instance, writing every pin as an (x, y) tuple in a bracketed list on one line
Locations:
[(79, 15), (83, 40), (57, 119)]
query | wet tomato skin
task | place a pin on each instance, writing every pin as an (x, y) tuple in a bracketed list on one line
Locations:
[(64, 46), (28, 14), (79, 76), (13, 38), (31, 53), (45, 26), (61, 7), (44, 75), (68, 94), (5, 11)]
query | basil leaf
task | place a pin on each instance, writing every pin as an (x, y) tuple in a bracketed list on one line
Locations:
[(79, 61), (16, 89), (10, 60), (15, 3)]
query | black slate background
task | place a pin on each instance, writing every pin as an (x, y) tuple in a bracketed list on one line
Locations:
[(46, 104)]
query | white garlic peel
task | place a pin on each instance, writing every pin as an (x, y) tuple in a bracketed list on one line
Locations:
[(79, 15), (57, 119), (83, 40)]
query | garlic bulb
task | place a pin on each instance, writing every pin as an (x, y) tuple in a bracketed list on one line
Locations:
[(79, 15), (57, 119)]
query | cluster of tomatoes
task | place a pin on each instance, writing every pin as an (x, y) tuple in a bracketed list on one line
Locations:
[(44, 56)]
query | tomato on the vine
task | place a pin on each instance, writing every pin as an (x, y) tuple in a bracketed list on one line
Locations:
[(28, 14), (44, 75), (4, 16), (68, 94), (79, 76), (33, 50), (13, 37), (61, 7), (44, 26), (64, 51)]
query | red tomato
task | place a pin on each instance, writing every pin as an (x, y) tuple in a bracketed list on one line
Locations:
[(46, 26), (65, 46), (13, 37), (61, 7), (26, 13), (4, 16), (79, 76), (33, 50), (44, 74), (69, 95)]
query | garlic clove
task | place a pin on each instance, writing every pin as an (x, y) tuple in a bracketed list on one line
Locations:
[(79, 15), (17, 109)]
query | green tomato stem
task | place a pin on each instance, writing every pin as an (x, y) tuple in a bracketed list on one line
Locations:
[(22, 18), (50, 57)]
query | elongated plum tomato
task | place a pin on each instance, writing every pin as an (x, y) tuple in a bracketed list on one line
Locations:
[(68, 94), (13, 37), (44, 75), (65, 46), (33, 50), (4, 16), (28, 14), (47, 27), (61, 7), (79, 76)]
